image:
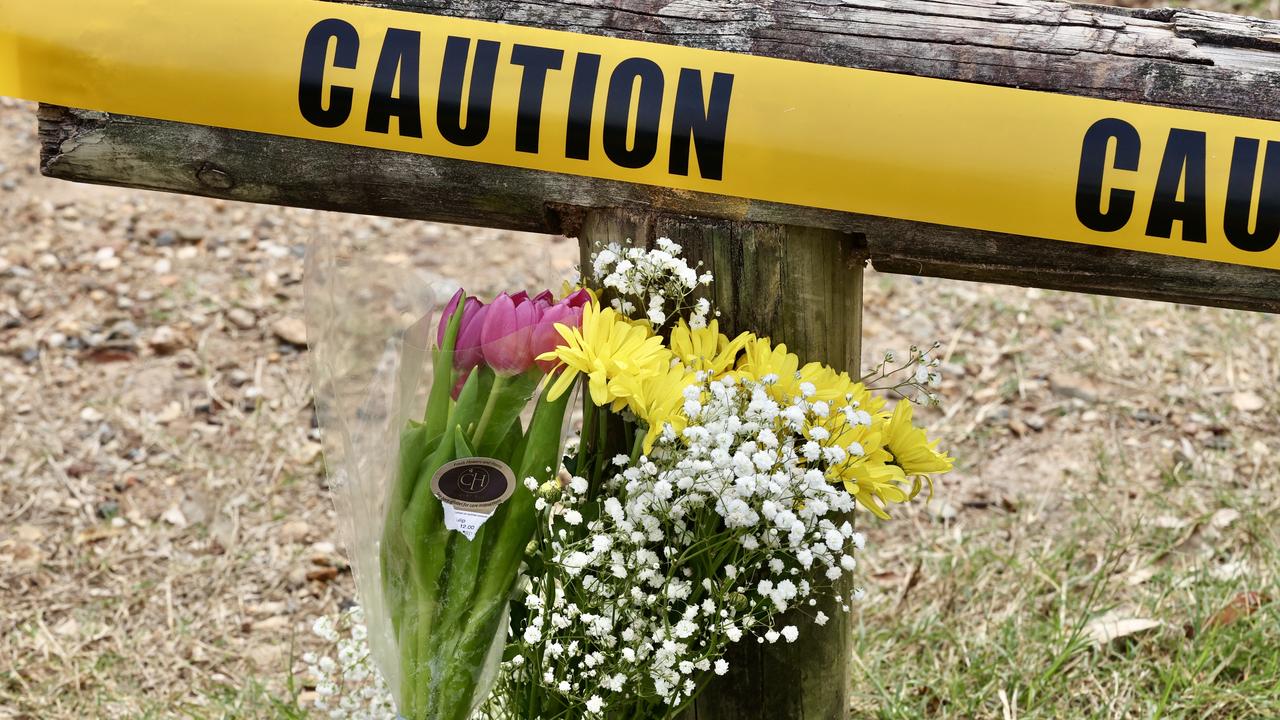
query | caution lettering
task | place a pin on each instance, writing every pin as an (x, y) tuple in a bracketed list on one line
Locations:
[(1106, 194), (458, 80)]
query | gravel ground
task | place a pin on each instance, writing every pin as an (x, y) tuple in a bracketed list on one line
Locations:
[(165, 528), (166, 536)]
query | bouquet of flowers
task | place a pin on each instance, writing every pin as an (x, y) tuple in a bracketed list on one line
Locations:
[(710, 489), (457, 522)]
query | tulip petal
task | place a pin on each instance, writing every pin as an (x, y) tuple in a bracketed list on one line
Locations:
[(447, 315)]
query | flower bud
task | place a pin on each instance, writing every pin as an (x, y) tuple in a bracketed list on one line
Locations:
[(506, 334), (447, 316), (467, 353), (545, 336), (578, 298)]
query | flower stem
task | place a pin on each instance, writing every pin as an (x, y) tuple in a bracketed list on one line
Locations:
[(494, 393), (636, 448)]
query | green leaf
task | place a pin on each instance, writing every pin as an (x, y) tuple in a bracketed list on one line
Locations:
[(437, 414), (472, 398), (415, 445), (514, 528), (460, 447), (542, 440), (508, 450), (509, 398), (423, 521)]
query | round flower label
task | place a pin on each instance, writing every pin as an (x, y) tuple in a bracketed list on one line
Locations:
[(470, 490)]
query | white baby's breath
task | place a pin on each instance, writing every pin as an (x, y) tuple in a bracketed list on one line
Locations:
[(350, 687), (699, 544), (658, 280)]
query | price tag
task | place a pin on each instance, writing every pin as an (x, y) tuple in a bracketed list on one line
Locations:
[(471, 489)]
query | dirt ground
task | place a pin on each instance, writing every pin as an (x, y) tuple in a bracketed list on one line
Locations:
[(166, 536)]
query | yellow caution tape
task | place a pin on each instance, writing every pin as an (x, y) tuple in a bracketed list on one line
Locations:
[(1119, 175)]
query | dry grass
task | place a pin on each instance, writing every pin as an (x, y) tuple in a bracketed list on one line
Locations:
[(166, 537), (1154, 499)]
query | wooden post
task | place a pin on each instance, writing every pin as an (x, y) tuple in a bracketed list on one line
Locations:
[(803, 287)]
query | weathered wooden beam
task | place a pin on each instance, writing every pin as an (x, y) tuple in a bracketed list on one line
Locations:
[(135, 152), (1180, 58), (1177, 57)]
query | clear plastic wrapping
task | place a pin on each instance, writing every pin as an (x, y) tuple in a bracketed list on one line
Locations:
[(437, 431)]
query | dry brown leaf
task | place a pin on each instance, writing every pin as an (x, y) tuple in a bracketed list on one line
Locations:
[(1241, 606), (323, 574), (271, 624), (95, 534), (1224, 518), (1073, 386), (1140, 576), (1106, 629), (104, 355), (1248, 402)]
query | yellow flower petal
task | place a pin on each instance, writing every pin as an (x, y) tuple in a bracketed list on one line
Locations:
[(911, 448)]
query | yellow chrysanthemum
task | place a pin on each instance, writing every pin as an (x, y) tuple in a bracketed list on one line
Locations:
[(862, 471), (613, 353), (705, 349), (875, 484), (835, 387), (867, 472), (761, 361), (910, 447), (659, 401)]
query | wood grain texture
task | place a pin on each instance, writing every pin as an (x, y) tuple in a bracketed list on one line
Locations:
[(134, 152), (802, 287), (1175, 57), (1181, 58)]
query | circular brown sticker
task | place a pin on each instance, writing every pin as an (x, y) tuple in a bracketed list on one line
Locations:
[(475, 484)]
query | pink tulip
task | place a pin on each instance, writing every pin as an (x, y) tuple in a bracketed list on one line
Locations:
[(545, 336), (505, 335), (446, 315), (467, 351), (469, 309), (577, 299)]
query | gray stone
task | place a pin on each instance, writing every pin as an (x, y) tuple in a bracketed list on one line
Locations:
[(242, 318), (291, 330), (123, 330)]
